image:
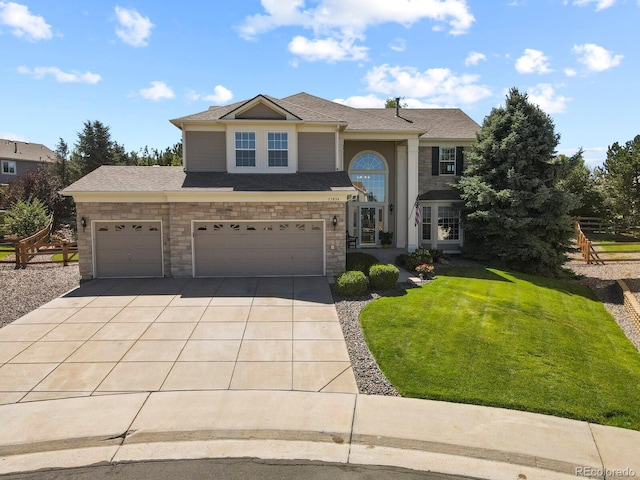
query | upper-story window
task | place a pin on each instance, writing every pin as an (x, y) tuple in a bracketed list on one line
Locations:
[(245, 149), (447, 161), (8, 167), (278, 149), (368, 174)]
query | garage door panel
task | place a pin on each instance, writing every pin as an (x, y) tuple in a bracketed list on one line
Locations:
[(128, 249), (258, 249)]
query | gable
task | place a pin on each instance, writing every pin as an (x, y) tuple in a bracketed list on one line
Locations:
[(260, 112)]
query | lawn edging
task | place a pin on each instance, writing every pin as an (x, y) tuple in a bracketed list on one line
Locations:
[(630, 303)]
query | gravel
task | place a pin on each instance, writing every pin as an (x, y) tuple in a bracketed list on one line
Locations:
[(24, 290)]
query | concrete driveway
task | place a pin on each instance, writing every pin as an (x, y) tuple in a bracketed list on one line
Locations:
[(146, 335)]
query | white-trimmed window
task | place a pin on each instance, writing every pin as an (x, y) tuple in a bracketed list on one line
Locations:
[(447, 161), (368, 174), (245, 145), (8, 167), (278, 149), (448, 223), (426, 223)]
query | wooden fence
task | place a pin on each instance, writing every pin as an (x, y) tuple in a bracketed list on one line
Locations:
[(592, 254), (39, 244)]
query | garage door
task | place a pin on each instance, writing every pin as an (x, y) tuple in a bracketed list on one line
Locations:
[(128, 249), (258, 248)]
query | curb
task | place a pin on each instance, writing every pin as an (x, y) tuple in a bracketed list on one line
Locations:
[(479, 442)]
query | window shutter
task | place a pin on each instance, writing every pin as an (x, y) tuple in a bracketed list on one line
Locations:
[(459, 160), (435, 161)]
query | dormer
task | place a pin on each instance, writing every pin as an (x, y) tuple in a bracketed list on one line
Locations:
[(261, 137)]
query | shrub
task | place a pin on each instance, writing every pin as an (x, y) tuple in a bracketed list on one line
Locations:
[(422, 255), (402, 259), (25, 218), (383, 277), (412, 263), (361, 262), (426, 269), (437, 254), (351, 284)]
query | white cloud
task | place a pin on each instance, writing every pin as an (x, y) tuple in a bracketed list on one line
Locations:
[(474, 58), (595, 57), (358, 101), (533, 61), (600, 4), (220, 95), (12, 136), (133, 29), (24, 24), (547, 99), (398, 45), (329, 49), (356, 15), (570, 72), (337, 24), (437, 86), (62, 77), (157, 91)]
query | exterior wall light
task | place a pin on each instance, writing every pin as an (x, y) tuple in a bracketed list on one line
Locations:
[(83, 222), (334, 222), (391, 208)]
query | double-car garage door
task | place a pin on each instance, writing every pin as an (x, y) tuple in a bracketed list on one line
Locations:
[(134, 249), (258, 248)]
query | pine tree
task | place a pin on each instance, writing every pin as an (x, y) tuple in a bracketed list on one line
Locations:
[(94, 148), (514, 212), (621, 174)]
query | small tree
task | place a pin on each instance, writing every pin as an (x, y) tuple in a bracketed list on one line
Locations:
[(584, 184), (621, 176), (36, 184), (514, 211), (25, 218)]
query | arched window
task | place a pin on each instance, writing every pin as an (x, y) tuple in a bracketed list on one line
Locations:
[(368, 174)]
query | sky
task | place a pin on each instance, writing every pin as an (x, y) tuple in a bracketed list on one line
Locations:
[(134, 65)]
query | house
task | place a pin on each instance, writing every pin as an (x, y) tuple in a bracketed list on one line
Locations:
[(272, 186), (18, 158)]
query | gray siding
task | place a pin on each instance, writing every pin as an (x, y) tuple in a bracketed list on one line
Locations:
[(22, 167), (261, 112), (316, 152), (206, 151)]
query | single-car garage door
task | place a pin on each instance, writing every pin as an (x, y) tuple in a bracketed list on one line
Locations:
[(258, 248), (128, 249)]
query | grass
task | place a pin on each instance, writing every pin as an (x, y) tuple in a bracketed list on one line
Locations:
[(58, 258), (497, 338), (5, 252)]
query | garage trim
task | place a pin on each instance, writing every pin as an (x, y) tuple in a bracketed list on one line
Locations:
[(275, 220), (94, 229)]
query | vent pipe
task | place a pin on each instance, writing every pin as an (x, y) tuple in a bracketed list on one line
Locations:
[(397, 106), (15, 147)]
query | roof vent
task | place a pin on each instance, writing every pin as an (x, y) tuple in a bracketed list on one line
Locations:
[(397, 106), (15, 147)]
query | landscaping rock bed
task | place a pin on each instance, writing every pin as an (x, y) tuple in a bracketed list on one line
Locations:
[(24, 290)]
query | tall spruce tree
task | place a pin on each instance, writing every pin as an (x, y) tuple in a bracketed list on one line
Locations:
[(93, 148), (514, 211), (621, 174)]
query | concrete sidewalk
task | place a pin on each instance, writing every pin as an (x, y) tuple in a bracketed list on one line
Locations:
[(422, 435)]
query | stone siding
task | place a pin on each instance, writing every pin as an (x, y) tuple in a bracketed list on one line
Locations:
[(427, 181), (176, 226)]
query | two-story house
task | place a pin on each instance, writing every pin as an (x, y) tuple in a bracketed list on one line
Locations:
[(18, 158), (272, 186)]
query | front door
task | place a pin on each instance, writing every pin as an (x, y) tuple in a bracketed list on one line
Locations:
[(368, 220)]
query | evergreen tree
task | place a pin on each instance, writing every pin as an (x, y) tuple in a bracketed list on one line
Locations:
[(585, 184), (60, 166), (93, 148), (514, 211), (621, 175)]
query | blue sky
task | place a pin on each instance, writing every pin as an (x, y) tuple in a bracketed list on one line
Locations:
[(134, 65)]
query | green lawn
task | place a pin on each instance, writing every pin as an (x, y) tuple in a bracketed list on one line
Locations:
[(5, 252), (491, 337)]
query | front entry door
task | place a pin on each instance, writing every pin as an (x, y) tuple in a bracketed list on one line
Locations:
[(368, 226)]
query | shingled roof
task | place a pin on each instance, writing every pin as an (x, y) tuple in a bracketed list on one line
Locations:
[(141, 179), (312, 109), (28, 152)]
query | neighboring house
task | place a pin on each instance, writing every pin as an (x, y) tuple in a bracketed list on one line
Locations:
[(271, 187), (17, 158)]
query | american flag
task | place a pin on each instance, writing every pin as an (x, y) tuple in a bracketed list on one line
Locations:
[(418, 213)]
